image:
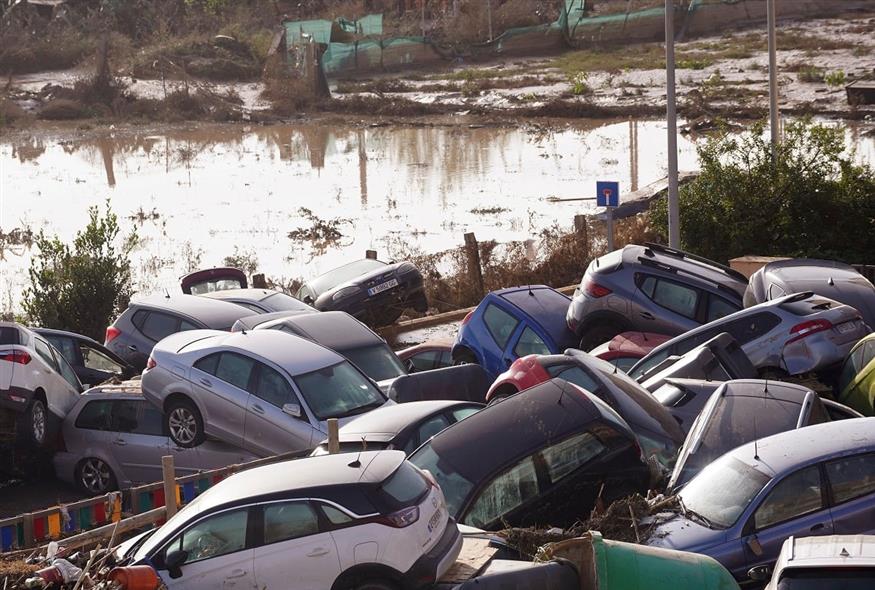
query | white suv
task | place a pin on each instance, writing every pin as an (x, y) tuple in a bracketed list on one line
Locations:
[(815, 563), (36, 383), (371, 521)]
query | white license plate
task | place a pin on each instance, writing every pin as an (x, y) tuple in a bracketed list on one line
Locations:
[(435, 519), (846, 327), (383, 287)]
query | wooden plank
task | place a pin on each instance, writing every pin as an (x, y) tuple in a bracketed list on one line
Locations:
[(474, 557)]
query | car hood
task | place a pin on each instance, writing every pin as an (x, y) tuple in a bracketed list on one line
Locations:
[(683, 534)]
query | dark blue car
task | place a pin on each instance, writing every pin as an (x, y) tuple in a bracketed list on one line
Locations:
[(816, 480), (511, 323)]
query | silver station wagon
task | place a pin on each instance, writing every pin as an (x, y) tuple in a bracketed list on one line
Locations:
[(266, 391)]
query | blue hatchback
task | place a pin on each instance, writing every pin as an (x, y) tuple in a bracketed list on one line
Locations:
[(817, 480), (511, 323)]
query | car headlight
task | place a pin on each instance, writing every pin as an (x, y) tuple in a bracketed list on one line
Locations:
[(345, 292), (406, 267)]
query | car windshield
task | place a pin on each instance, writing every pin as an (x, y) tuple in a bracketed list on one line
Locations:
[(283, 302), (343, 274), (722, 491), (338, 391), (455, 487), (822, 578), (377, 361)]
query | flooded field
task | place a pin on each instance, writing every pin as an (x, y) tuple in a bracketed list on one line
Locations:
[(300, 199)]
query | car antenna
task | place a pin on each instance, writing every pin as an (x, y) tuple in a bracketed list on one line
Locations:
[(561, 393), (531, 293), (756, 452), (166, 293), (357, 463)]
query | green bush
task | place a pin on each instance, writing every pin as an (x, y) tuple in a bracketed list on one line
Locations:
[(81, 288), (813, 200)]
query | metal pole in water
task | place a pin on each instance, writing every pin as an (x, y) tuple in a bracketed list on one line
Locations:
[(773, 78), (674, 223)]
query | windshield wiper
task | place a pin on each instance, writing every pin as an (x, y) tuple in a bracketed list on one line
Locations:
[(693, 515)]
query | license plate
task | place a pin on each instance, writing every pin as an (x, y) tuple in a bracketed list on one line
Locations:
[(846, 327), (435, 519), (383, 287)]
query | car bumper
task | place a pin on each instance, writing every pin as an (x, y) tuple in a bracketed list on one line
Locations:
[(429, 568), (15, 398)]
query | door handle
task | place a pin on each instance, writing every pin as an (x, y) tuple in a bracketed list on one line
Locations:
[(819, 526), (257, 409), (119, 442), (646, 315), (318, 552), (132, 348), (205, 382), (238, 573)]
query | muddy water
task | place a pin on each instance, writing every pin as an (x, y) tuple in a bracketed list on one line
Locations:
[(198, 195)]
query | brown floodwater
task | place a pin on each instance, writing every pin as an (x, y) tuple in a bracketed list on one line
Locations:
[(198, 194)]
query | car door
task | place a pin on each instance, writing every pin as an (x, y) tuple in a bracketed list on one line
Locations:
[(61, 390), (525, 341), (221, 383), (219, 555), (852, 494), (138, 439), (794, 506), (270, 426), (665, 306), (503, 328), (294, 548)]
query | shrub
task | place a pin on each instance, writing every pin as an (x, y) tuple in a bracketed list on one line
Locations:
[(81, 288), (813, 200)]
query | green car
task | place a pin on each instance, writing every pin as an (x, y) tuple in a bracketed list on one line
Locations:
[(857, 381)]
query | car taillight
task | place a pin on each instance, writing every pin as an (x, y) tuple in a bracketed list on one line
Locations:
[(467, 317), (15, 356), (151, 364), (111, 334), (800, 331), (593, 289), (402, 518)]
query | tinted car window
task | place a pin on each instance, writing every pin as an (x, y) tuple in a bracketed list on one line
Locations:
[(136, 417), (454, 486), (676, 297), (564, 458), (157, 326), (43, 350), (795, 495), (405, 486), (208, 364), (749, 328), (851, 477), (68, 373), (9, 336), (504, 493), (718, 308), (185, 326), (334, 515), (500, 324), (424, 361), (289, 520), (65, 346), (95, 415), (235, 369), (462, 413), (530, 343), (273, 387), (431, 427), (214, 536), (446, 360)]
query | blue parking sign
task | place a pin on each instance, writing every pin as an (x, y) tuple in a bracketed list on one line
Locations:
[(607, 194)]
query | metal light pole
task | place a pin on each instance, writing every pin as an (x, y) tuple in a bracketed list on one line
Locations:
[(773, 78), (674, 221), (489, 16)]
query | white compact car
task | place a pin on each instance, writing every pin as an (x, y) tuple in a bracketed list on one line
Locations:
[(371, 521), (36, 383), (845, 562)]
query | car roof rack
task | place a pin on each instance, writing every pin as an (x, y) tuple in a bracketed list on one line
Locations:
[(662, 249)]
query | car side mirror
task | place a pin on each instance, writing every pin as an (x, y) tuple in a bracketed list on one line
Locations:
[(293, 410), (174, 561), (760, 573)]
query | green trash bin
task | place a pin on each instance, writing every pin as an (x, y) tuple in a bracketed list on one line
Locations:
[(613, 565)]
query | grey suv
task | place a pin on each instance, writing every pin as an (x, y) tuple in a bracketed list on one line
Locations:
[(149, 319), (651, 288)]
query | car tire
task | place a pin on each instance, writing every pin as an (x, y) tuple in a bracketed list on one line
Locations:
[(375, 585), (95, 476), (184, 423), (36, 425), (599, 334), (465, 357)]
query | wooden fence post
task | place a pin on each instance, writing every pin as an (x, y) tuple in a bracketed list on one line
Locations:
[(333, 437), (259, 281), (27, 523), (475, 272), (371, 254), (169, 484)]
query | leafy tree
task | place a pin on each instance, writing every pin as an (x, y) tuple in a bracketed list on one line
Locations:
[(81, 288), (811, 200)]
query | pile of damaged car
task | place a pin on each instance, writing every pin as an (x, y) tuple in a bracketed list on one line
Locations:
[(671, 424)]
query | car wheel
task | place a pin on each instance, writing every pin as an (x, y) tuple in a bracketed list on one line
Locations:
[(95, 476), (35, 424), (184, 423), (598, 334)]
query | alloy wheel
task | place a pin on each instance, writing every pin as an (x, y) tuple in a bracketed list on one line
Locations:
[(183, 425), (95, 475)]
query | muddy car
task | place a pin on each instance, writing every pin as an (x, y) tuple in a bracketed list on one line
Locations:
[(718, 359), (460, 383), (535, 459), (373, 291), (739, 412)]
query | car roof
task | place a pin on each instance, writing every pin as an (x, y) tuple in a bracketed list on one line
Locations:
[(544, 305), (787, 450), (829, 551), (502, 433), (295, 354), (810, 269), (393, 419), (335, 329), (211, 312), (248, 294), (301, 474), (690, 264)]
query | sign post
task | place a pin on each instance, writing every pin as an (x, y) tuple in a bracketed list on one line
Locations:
[(608, 196)]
